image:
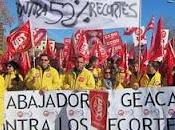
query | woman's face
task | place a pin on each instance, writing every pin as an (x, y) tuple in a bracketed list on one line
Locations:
[(10, 68)]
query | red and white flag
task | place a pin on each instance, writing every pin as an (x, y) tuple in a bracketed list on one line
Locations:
[(130, 30), (20, 39), (98, 101), (137, 37), (50, 49), (80, 44), (38, 35)]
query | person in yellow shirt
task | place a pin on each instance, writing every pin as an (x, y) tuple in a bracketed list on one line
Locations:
[(152, 78), (96, 71), (13, 80), (2, 91), (135, 76), (43, 77), (79, 78)]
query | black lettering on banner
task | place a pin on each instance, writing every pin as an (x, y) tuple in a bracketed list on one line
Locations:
[(147, 122), (84, 100), (171, 124), (33, 124), (32, 8), (158, 121), (61, 97), (73, 122), (22, 123), (50, 101), (9, 126), (56, 10), (11, 103), (132, 11), (172, 99), (116, 9), (92, 9), (134, 122), (32, 102), (158, 100), (22, 104), (76, 100), (135, 99), (149, 99), (43, 101), (129, 100), (46, 125), (83, 123), (110, 123), (119, 123)]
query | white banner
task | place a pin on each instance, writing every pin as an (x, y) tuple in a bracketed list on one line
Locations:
[(144, 109), (89, 14)]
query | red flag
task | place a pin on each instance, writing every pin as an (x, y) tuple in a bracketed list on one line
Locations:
[(156, 53), (38, 35), (130, 30), (102, 54), (50, 49), (20, 40), (7, 56), (80, 45), (170, 62), (24, 62), (123, 62), (150, 26), (98, 101), (68, 53)]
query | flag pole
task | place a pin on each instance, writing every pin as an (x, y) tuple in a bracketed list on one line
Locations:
[(33, 45), (139, 37)]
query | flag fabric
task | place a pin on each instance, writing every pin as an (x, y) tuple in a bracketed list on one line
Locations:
[(80, 44), (129, 30), (137, 37), (24, 62), (170, 62), (49, 50), (38, 35), (156, 53), (20, 39), (98, 101), (150, 26)]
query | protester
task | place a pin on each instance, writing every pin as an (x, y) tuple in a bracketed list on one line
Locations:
[(43, 77), (79, 78), (2, 91), (96, 71), (108, 80), (152, 78), (135, 76), (13, 80)]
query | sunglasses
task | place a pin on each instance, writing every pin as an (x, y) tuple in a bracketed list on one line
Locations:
[(44, 60), (107, 72)]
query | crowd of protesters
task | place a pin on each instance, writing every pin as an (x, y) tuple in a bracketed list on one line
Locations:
[(82, 77)]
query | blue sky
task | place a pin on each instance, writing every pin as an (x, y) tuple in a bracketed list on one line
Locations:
[(149, 8)]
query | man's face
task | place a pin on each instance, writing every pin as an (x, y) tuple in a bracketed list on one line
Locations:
[(79, 64), (44, 61)]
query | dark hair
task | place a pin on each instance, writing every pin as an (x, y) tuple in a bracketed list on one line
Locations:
[(93, 59), (14, 64), (44, 54)]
